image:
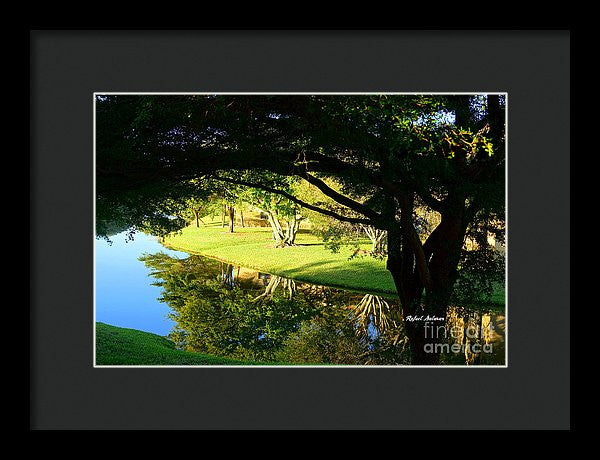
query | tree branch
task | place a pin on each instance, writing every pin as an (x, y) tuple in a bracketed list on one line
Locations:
[(341, 199), (413, 241), (290, 197)]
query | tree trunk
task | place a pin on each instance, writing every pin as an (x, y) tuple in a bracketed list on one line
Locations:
[(377, 237), (296, 228), (197, 218), (278, 234), (283, 237), (242, 218), (400, 264), (231, 218), (435, 269), (292, 226)]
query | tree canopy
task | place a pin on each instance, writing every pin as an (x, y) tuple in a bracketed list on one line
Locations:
[(434, 146)]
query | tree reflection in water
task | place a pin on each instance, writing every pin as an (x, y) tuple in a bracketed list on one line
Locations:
[(239, 313), (475, 332), (288, 286), (227, 277)]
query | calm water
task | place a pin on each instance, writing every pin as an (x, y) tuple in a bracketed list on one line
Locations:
[(213, 307), (125, 296)]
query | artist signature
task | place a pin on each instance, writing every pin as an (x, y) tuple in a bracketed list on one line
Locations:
[(412, 318)]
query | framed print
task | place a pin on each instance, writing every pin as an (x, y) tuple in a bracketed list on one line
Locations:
[(281, 219)]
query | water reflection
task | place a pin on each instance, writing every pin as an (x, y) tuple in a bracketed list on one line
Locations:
[(287, 285), (478, 335), (225, 310)]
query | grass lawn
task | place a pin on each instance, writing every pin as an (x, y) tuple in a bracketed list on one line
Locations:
[(121, 346), (309, 261)]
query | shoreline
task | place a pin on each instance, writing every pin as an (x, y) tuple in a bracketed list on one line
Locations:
[(373, 270)]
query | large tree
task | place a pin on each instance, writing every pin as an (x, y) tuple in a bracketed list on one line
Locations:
[(283, 214), (398, 152)]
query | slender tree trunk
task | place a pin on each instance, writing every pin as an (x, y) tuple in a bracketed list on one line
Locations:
[(294, 229), (231, 218), (242, 218), (292, 226), (376, 236), (283, 237), (197, 218), (278, 234)]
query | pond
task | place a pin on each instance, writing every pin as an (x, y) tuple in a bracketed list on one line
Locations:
[(213, 307), (125, 296)]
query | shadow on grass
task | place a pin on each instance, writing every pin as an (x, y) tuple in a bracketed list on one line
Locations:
[(351, 277)]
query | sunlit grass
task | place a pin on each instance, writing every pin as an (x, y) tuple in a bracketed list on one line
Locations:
[(308, 261), (122, 346), (118, 346)]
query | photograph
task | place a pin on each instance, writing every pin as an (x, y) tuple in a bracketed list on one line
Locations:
[(320, 229)]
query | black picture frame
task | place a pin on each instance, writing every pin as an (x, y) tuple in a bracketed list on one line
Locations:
[(67, 67)]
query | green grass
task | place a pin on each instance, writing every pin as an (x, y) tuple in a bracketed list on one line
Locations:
[(252, 247), (121, 346), (309, 261)]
